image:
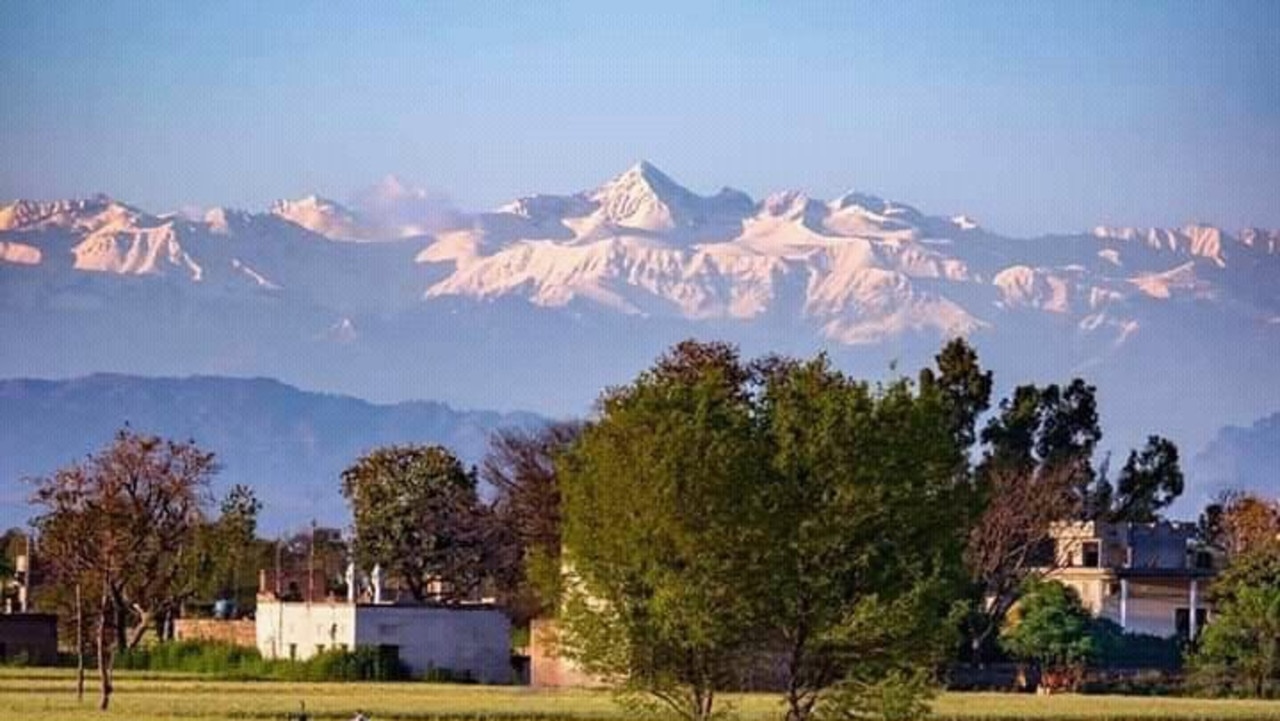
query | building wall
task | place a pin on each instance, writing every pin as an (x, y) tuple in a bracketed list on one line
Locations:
[(239, 633), (547, 668), (476, 641), (30, 635), (299, 630), (1094, 587)]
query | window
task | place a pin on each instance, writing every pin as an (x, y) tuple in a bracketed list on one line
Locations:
[(319, 648), (293, 652), (1090, 555), (1204, 560), (1044, 554)]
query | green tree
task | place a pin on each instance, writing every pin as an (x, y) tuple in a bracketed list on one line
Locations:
[(1051, 628), (1239, 653), (964, 386), (417, 514), (866, 521), (661, 530), (224, 552)]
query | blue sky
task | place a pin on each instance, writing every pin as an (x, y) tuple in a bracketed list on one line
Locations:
[(1031, 116)]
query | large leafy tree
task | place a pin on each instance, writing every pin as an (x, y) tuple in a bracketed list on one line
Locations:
[(661, 531), (226, 549), (418, 515), (120, 525), (1036, 469), (866, 520)]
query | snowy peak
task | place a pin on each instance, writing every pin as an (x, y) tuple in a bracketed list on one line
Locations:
[(645, 198), (94, 211), (321, 215)]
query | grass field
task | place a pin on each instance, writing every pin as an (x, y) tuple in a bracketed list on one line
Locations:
[(47, 695)]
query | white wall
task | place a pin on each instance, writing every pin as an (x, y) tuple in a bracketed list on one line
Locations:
[(307, 627)]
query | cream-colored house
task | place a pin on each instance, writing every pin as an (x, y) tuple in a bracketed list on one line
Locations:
[(1148, 578)]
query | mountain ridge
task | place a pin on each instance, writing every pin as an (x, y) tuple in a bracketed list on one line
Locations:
[(289, 444), (545, 300)]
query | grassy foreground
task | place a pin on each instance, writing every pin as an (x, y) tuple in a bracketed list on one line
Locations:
[(47, 695)]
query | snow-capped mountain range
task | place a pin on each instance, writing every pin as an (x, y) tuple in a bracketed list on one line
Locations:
[(398, 275)]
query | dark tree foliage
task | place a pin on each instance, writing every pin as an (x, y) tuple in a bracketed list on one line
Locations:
[(1239, 653), (1150, 481), (964, 386), (520, 467), (1050, 427)]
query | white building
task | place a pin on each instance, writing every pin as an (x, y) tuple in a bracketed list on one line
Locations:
[(1148, 578), (472, 640)]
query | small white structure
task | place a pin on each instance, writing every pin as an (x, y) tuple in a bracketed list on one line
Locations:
[(473, 640)]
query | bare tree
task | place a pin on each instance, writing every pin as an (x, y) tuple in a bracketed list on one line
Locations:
[(118, 524), (520, 466), (1011, 541)]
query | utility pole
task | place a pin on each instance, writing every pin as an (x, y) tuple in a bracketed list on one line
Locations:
[(278, 589), (311, 565), (79, 645)]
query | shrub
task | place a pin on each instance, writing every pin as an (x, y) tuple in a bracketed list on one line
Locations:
[(1052, 629), (227, 661)]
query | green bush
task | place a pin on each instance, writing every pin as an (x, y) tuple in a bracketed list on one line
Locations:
[(227, 661)]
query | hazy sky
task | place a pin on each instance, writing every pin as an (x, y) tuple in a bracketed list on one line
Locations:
[(1031, 116)]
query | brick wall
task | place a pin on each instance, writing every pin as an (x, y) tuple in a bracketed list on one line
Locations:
[(239, 633)]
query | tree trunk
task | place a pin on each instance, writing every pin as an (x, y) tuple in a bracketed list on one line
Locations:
[(79, 645), (121, 628), (104, 655), (145, 619)]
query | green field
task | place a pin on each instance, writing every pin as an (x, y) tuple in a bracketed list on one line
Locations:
[(47, 695)]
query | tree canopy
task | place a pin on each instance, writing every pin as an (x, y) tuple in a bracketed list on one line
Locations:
[(417, 514)]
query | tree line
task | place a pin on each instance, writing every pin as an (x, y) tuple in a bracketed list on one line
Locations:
[(714, 513)]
